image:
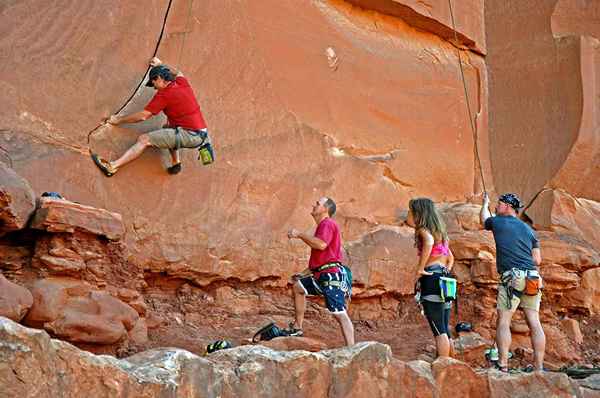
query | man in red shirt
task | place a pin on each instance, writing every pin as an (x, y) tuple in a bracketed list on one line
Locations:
[(185, 128), (323, 277)]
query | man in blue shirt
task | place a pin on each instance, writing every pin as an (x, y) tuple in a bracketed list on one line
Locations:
[(517, 257)]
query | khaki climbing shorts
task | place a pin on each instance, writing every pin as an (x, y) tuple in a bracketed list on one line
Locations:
[(529, 302), (166, 138)]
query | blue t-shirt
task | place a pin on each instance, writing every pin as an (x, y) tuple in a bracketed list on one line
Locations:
[(514, 242)]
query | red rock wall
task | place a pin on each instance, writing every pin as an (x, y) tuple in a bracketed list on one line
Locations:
[(376, 120), (386, 123), (534, 95)]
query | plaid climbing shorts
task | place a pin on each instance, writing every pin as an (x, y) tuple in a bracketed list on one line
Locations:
[(166, 138)]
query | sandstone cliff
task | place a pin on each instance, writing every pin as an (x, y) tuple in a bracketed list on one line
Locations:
[(360, 100)]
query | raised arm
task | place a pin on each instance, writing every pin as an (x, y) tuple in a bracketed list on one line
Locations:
[(485, 213), (155, 62), (312, 241), (131, 118)]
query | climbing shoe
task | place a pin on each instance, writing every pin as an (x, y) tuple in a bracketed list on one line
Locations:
[(218, 345), (292, 331), (268, 332), (175, 169), (104, 165)]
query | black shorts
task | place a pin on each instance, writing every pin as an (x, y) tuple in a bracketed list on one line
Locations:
[(335, 298), (438, 317)]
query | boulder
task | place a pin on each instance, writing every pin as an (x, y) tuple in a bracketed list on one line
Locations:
[(17, 200), (569, 251), (15, 300), (365, 369), (58, 215), (295, 343), (73, 310), (558, 211), (450, 375)]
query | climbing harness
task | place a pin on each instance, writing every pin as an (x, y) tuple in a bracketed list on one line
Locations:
[(205, 151), (518, 282), (471, 121), (439, 284), (345, 283)]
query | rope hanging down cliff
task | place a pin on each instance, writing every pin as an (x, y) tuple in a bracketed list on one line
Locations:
[(471, 121), (160, 36)]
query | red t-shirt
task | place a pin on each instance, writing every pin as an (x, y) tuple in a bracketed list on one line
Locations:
[(178, 102), (329, 232)]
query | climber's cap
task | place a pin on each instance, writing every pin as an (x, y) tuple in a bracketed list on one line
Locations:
[(512, 200), (159, 71)]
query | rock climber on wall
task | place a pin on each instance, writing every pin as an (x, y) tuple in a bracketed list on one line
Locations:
[(185, 126)]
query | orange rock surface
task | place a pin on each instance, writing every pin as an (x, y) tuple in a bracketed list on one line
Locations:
[(360, 100)]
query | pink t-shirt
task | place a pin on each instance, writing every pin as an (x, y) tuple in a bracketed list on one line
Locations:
[(329, 232)]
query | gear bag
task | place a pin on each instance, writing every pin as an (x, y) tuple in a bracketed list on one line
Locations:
[(218, 345), (533, 284), (268, 332), (518, 282), (206, 153), (346, 280), (448, 288), (439, 284)]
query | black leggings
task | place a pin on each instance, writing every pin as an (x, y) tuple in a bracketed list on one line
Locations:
[(438, 317)]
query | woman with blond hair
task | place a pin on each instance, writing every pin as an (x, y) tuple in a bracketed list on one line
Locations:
[(435, 260)]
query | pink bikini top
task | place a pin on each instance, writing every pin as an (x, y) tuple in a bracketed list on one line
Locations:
[(439, 249)]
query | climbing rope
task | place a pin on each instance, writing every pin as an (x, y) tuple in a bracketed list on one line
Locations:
[(160, 36), (462, 74)]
